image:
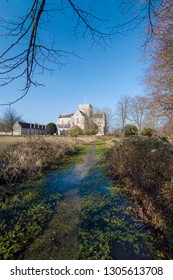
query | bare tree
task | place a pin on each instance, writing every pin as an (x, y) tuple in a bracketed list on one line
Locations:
[(159, 77), (110, 117), (9, 118), (161, 109), (137, 111), (29, 53), (122, 111), (152, 118), (140, 111)]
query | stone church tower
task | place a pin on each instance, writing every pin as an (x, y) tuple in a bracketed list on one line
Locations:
[(66, 121), (87, 109)]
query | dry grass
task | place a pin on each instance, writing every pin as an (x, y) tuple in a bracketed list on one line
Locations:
[(55, 139), (11, 139), (26, 157), (79, 139), (23, 157)]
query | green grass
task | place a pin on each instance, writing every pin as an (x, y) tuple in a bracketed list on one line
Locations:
[(24, 216), (105, 225)]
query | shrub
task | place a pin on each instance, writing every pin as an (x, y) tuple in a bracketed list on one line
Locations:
[(130, 130), (51, 128), (116, 133), (75, 131), (146, 162), (91, 128), (145, 165), (147, 131)]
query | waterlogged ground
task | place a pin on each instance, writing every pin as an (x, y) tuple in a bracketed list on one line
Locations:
[(60, 239), (75, 212)]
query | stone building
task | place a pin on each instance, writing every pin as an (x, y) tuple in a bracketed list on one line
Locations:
[(23, 128), (85, 111)]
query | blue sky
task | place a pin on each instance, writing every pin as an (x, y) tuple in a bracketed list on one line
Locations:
[(102, 76)]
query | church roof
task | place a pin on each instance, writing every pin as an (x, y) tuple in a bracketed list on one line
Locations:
[(31, 125), (66, 115)]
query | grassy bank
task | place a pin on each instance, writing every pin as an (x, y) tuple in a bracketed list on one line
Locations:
[(23, 158), (145, 166)]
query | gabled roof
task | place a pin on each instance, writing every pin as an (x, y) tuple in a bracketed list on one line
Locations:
[(31, 125), (66, 115)]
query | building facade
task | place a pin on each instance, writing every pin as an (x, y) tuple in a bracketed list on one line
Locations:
[(23, 128), (85, 111)]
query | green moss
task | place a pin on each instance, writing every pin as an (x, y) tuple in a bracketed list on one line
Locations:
[(108, 223), (24, 216)]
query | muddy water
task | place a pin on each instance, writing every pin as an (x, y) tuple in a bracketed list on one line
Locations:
[(92, 219)]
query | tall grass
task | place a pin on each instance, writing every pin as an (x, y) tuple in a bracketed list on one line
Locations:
[(25, 158)]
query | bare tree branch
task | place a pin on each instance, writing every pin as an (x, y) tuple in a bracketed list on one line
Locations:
[(28, 52)]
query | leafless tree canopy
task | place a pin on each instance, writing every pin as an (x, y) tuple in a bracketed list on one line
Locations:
[(160, 74), (9, 118), (138, 109), (122, 111), (159, 77), (29, 53)]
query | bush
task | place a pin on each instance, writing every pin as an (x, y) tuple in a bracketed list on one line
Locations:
[(147, 163), (51, 128), (91, 128), (147, 131), (75, 131), (116, 133), (130, 130), (145, 166)]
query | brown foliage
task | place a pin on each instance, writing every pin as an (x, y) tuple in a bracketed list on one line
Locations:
[(28, 158), (145, 165)]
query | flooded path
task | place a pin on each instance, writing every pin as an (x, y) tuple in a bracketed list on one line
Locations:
[(92, 220), (60, 239), (76, 212)]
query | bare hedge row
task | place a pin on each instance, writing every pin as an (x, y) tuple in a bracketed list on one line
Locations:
[(145, 166)]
